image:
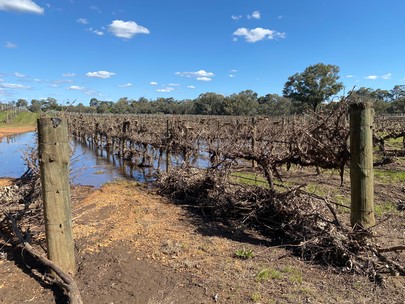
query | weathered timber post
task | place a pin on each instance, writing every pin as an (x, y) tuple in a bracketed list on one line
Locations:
[(361, 164), (168, 142), (254, 165), (54, 158)]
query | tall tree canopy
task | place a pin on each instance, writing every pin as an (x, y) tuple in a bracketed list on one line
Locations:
[(313, 86)]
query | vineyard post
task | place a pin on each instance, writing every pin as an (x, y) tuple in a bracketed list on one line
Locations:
[(54, 158), (168, 163), (254, 165), (361, 164)]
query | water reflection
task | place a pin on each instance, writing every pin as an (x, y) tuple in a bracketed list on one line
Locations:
[(89, 166), (11, 153), (96, 167)]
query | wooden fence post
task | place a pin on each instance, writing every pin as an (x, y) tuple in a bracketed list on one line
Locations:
[(361, 164), (54, 158), (254, 164), (168, 142)]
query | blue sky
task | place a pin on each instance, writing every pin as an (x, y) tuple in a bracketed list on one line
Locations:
[(80, 49)]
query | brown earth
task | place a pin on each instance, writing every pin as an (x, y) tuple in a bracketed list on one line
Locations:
[(5, 131), (134, 246)]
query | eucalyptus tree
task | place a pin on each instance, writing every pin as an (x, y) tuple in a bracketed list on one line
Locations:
[(314, 86)]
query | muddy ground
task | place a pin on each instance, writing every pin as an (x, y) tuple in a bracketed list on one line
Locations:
[(134, 246), (4, 131)]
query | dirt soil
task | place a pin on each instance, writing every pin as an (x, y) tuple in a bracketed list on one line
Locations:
[(4, 131), (133, 246)]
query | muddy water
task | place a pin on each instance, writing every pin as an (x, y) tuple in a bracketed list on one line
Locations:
[(88, 166)]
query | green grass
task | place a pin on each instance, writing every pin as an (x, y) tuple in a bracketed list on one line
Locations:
[(385, 208), (249, 178), (21, 119), (389, 176), (244, 254), (266, 274)]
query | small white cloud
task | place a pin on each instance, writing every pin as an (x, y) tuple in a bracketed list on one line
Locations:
[(386, 76), (204, 78), (372, 77), (100, 74), (257, 34), (232, 76), (97, 32), (95, 8), (190, 87), (69, 75), (254, 15), (13, 86), (349, 76), (233, 71), (76, 88), (165, 90), (198, 74), (126, 29), (82, 21), (10, 45), (153, 83), (21, 6), (19, 75), (173, 84), (236, 17), (126, 85)]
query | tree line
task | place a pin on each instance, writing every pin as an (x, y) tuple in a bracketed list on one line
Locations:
[(316, 88)]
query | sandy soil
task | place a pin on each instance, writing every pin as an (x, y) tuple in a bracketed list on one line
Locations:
[(134, 246), (4, 131)]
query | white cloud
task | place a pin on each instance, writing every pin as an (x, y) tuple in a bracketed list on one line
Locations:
[(126, 29), (153, 83), (97, 32), (69, 75), (13, 86), (76, 88), (233, 71), (190, 87), (82, 21), (126, 85), (386, 76), (10, 45), (254, 15), (374, 77), (100, 74), (232, 76), (349, 76), (165, 90), (173, 84), (83, 90), (199, 75), (204, 78), (236, 17), (21, 6), (257, 34), (95, 8), (19, 75)]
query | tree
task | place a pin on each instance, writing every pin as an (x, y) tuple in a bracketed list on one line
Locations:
[(209, 104), (274, 105), (36, 105), (94, 102), (21, 103), (313, 86), (243, 103)]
